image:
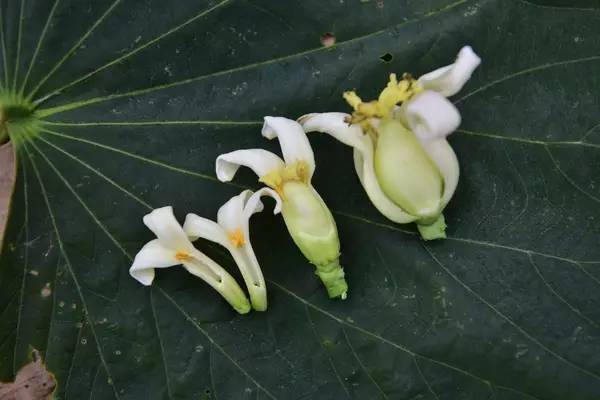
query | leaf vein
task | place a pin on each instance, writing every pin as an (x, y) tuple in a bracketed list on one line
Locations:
[(568, 178), (70, 269), (82, 103), (362, 366), (507, 319), (558, 296), (528, 71), (333, 368)]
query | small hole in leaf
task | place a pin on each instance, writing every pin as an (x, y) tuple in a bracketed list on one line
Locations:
[(387, 57), (328, 39)]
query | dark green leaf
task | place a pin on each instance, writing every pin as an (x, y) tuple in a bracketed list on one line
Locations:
[(141, 96)]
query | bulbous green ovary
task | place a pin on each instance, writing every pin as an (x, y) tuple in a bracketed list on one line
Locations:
[(313, 229), (405, 172)]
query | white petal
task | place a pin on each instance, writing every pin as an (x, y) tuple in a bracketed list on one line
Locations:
[(259, 160), (198, 227), (334, 124), (212, 273), (430, 116), (445, 159), (292, 139), (152, 255), (231, 214), (234, 215), (205, 268), (162, 222), (450, 79), (254, 204)]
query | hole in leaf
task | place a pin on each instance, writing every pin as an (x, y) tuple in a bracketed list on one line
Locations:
[(328, 39), (387, 57)]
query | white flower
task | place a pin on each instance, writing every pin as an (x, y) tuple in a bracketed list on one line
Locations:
[(232, 232), (306, 215), (172, 247), (401, 155)]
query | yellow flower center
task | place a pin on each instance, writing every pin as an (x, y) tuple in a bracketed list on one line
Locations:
[(237, 237), (183, 256), (396, 92), (294, 172)]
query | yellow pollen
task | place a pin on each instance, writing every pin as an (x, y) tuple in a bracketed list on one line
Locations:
[(237, 237), (395, 93), (183, 256)]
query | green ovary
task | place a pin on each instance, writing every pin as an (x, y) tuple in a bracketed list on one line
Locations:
[(313, 229), (405, 172)]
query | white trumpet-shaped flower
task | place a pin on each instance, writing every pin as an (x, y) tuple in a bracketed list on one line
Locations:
[(232, 231), (401, 155), (172, 247), (306, 215)]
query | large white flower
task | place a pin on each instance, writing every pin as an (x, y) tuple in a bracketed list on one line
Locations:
[(172, 247), (232, 231), (306, 215), (401, 154)]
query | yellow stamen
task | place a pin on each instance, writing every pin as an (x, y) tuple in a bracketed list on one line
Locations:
[(394, 93), (237, 237), (183, 256), (275, 179)]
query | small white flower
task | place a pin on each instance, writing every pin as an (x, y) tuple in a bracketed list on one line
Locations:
[(172, 247), (232, 232), (306, 215), (401, 155)]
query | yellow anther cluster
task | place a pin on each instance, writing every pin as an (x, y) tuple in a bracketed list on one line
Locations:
[(237, 237), (183, 256), (394, 93), (298, 171)]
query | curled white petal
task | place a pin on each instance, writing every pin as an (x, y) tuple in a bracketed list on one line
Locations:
[(443, 156), (152, 255), (162, 222), (334, 124), (430, 116), (292, 139), (254, 204), (197, 227), (231, 214), (259, 160), (450, 79)]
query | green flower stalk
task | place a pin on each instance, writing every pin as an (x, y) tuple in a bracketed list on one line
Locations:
[(401, 154), (306, 215)]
